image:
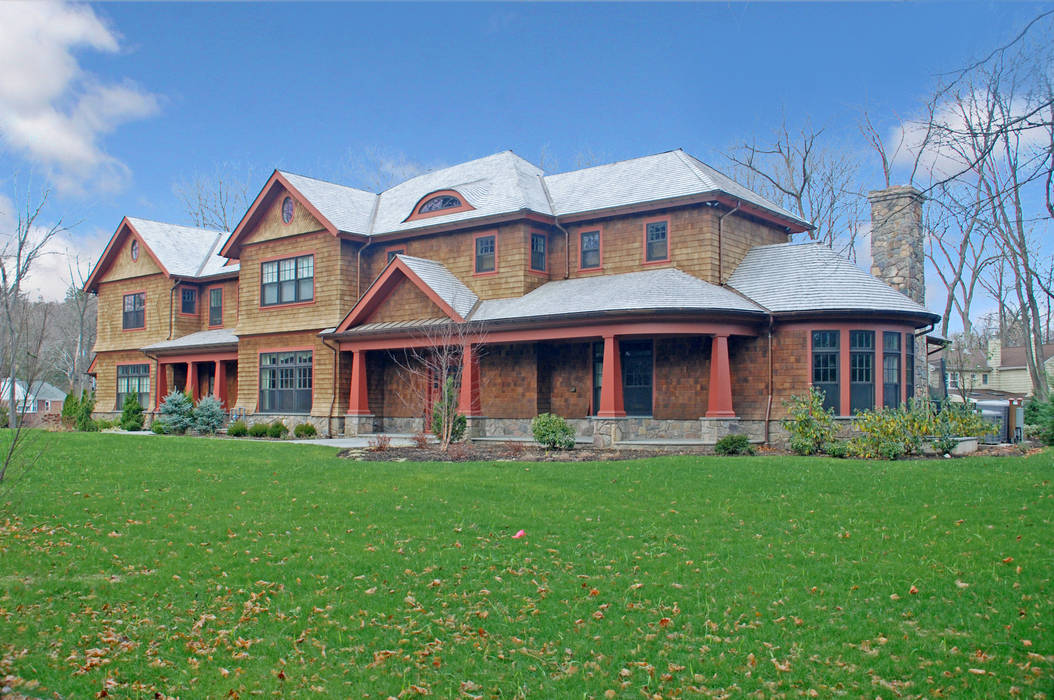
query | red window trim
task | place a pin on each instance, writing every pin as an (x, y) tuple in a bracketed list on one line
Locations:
[(644, 241), (259, 284), (475, 238), (197, 299), (140, 328), (208, 293), (150, 375), (544, 272), (303, 348), (415, 214), (390, 249), (589, 229)]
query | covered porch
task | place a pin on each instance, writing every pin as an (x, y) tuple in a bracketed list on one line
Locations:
[(200, 364)]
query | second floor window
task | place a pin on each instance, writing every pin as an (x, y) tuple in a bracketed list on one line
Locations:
[(216, 307), (287, 281), (656, 245), (134, 315), (189, 304), (485, 254), (538, 252), (590, 245)]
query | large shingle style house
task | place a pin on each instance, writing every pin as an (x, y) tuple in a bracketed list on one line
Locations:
[(650, 298)]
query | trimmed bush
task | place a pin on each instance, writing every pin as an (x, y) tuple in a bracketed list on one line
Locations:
[(277, 430), (734, 444), (809, 424), (84, 422), (70, 409), (258, 430), (238, 429), (132, 413), (305, 430), (103, 424), (157, 427), (553, 432), (209, 415), (177, 413), (837, 449)]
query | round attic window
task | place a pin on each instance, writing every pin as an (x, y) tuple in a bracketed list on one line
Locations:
[(287, 210), (135, 250)]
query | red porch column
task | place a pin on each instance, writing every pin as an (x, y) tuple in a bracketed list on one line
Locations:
[(162, 384), (219, 381), (611, 382), (719, 400), (358, 401), (468, 403), (192, 380)]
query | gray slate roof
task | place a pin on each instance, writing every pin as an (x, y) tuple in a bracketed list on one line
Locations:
[(346, 208), (443, 282), (201, 339), (667, 289), (790, 277), (184, 251)]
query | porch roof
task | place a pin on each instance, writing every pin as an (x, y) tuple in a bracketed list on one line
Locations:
[(202, 340)]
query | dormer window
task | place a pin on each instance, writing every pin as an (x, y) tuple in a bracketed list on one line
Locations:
[(443, 201), (439, 203)]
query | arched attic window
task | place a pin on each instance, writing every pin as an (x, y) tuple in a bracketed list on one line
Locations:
[(439, 204)]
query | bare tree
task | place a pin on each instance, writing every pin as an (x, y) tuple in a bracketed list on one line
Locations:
[(967, 359), (215, 201), (434, 370), (75, 325), (814, 181)]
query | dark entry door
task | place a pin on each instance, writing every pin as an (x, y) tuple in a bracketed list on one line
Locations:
[(636, 376)]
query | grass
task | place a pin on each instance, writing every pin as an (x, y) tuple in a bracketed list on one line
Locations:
[(207, 568)]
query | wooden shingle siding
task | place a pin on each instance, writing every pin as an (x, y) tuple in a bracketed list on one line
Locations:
[(123, 267), (110, 334), (249, 349), (406, 303), (738, 235), (230, 304), (106, 378), (271, 226)]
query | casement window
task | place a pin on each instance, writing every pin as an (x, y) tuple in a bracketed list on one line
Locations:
[(134, 311), (133, 380), (861, 371), (656, 243), (589, 244), (189, 301), (485, 254), (825, 376), (287, 281), (890, 369), (392, 253), (216, 306), (285, 382), (909, 364), (538, 252)]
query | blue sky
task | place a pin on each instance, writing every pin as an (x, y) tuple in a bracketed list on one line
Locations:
[(160, 92)]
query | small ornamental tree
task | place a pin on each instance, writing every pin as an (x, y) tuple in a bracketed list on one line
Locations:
[(208, 415), (131, 413), (84, 422), (70, 408), (447, 424), (177, 413)]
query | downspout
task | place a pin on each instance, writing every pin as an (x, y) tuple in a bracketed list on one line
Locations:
[(336, 376), (171, 309), (358, 269), (567, 248), (157, 373), (720, 247), (768, 406)]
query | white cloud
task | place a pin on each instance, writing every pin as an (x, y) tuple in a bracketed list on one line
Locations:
[(51, 111)]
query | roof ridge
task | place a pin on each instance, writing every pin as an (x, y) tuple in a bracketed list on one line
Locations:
[(205, 260), (169, 223), (681, 154)]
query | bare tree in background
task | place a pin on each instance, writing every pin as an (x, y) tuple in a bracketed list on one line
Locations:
[(74, 324), (434, 373), (216, 201), (815, 181)]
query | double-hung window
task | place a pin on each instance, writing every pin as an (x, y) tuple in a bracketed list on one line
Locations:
[(656, 243), (216, 306), (134, 315), (285, 382), (538, 252), (189, 301), (890, 369), (485, 254), (133, 380), (590, 247), (287, 281), (825, 367), (909, 364), (861, 371)]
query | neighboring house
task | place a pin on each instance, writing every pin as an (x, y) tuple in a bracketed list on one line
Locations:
[(1009, 371), (649, 298), (998, 372), (43, 399)]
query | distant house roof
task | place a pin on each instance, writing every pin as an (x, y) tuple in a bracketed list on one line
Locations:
[(220, 337), (790, 277), (40, 391), (1012, 356)]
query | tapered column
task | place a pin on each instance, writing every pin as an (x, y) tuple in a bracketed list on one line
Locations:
[(611, 405), (192, 380), (219, 382), (358, 401), (468, 402), (162, 385), (719, 403)]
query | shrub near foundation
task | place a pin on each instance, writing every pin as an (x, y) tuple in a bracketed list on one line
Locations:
[(258, 430), (553, 432), (305, 430), (735, 444), (810, 425), (238, 429)]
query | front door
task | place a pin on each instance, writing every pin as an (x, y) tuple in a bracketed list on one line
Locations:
[(637, 369)]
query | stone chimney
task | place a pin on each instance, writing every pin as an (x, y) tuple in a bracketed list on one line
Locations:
[(897, 255)]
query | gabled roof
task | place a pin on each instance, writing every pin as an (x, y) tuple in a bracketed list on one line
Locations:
[(667, 290), (661, 176), (348, 209), (790, 277), (180, 251), (437, 282)]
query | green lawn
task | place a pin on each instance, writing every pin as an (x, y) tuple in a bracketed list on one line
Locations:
[(197, 567)]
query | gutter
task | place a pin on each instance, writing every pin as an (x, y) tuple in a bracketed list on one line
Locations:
[(768, 405)]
